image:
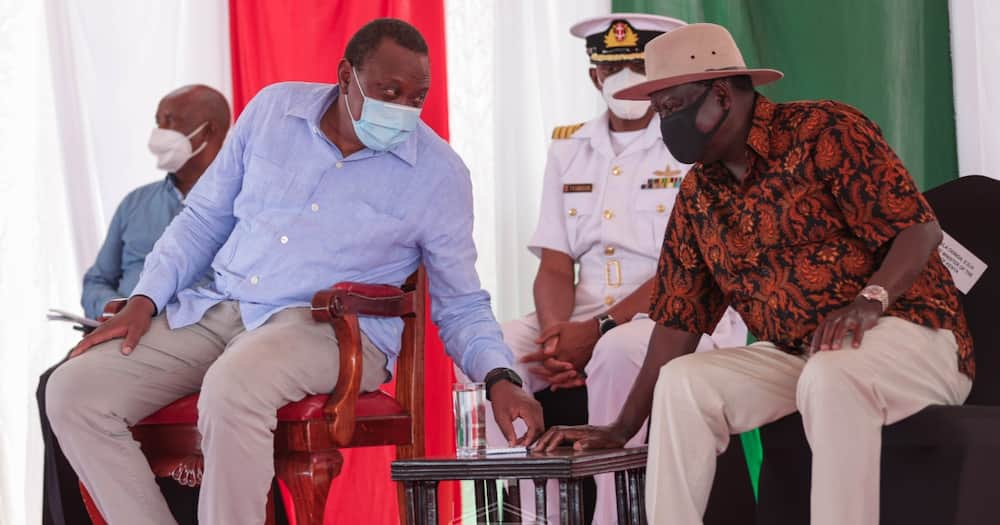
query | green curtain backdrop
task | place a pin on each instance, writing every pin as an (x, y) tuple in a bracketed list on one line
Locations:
[(889, 58)]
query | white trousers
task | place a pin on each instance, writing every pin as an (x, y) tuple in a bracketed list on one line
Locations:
[(244, 377), (845, 398), (612, 369)]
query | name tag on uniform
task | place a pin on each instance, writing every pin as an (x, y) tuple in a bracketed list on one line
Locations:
[(578, 188)]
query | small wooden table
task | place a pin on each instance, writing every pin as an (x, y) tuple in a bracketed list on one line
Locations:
[(569, 467)]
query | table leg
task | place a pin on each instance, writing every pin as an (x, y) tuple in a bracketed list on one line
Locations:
[(642, 495), (564, 502), (576, 501), (621, 498), (412, 502), (480, 501), (512, 509), (633, 496), (492, 502), (541, 505), (430, 510)]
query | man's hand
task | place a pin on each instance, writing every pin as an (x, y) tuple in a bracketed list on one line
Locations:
[(584, 437), (856, 318), (131, 323), (510, 402), (565, 350)]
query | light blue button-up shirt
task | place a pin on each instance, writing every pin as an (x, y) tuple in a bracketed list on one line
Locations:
[(281, 214), (138, 222)]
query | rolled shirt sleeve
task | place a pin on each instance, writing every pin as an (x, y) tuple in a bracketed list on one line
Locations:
[(873, 189), (551, 230)]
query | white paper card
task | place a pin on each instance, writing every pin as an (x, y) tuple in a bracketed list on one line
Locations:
[(964, 266)]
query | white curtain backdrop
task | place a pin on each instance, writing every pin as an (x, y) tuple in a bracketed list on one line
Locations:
[(79, 84), (514, 73), (975, 53)]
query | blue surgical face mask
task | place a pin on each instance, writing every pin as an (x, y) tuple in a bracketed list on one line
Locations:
[(382, 124)]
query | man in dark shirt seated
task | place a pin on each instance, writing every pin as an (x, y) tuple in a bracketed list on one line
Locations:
[(191, 124)]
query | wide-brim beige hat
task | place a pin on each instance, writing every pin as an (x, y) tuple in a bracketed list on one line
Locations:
[(692, 53)]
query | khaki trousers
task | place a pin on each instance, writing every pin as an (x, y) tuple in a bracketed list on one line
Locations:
[(244, 377), (845, 398)]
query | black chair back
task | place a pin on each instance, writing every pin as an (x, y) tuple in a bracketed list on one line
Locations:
[(968, 209)]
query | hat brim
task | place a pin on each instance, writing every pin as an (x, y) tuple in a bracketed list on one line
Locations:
[(759, 77)]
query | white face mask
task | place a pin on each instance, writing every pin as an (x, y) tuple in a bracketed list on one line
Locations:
[(625, 109), (173, 148)]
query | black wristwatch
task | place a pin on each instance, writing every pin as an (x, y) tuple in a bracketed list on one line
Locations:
[(501, 374), (605, 323)]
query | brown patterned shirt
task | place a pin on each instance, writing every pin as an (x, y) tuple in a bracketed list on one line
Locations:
[(801, 235)]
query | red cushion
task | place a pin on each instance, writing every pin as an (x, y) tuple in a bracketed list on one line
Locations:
[(370, 404)]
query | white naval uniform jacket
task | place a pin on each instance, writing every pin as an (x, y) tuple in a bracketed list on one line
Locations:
[(609, 212), (595, 209)]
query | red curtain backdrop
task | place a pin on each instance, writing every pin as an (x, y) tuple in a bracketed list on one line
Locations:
[(274, 41)]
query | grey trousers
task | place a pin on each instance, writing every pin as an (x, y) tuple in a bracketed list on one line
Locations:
[(244, 377)]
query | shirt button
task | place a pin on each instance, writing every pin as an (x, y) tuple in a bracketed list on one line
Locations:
[(610, 250), (572, 212), (284, 239), (314, 207), (608, 214), (340, 164), (254, 280), (660, 208), (616, 171), (609, 300)]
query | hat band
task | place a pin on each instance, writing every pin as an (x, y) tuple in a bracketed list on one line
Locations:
[(594, 57)]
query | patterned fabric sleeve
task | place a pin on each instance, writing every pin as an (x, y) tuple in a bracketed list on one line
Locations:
[(686, 296), (874, 190)]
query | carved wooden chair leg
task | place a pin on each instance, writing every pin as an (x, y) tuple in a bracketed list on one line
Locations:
[(308, 477)]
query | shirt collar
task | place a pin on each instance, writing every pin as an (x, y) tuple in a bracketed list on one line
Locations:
[(759, 137), (170, 181), (598, 131), (311, 109)]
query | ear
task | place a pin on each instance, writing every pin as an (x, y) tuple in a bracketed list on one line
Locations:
[(723, 93), (344, 75), (594, 79)]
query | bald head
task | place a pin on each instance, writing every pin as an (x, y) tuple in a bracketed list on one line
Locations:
[(186, 108), (190, 109)]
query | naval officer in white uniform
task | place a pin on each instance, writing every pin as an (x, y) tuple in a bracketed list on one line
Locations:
[(609, 187)]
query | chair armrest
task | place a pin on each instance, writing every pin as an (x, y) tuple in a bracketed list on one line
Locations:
[(340, 306), (378, 300), (113, 307)]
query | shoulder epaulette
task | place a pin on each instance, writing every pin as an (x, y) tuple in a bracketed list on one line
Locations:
[(565, 132)]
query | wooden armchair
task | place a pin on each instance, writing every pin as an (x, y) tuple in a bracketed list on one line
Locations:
[(311, 431)]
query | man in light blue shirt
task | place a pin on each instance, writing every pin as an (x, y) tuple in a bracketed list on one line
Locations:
[(137, 223), (191, 124), (316, 184)]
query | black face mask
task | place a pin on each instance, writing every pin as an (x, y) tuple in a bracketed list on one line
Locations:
[(682, 138)]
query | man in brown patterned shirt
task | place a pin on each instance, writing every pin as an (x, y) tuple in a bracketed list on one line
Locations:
[(803, 219)]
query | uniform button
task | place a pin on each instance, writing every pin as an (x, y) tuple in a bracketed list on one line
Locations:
[(660, 208), (340, 164), (610, 250), (572, 212), (254, 280), (284, 239), (616, 171), (314, 207), (608, 214), (609, 300)]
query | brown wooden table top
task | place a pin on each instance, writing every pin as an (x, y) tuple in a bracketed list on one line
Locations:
[(563, 463)]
